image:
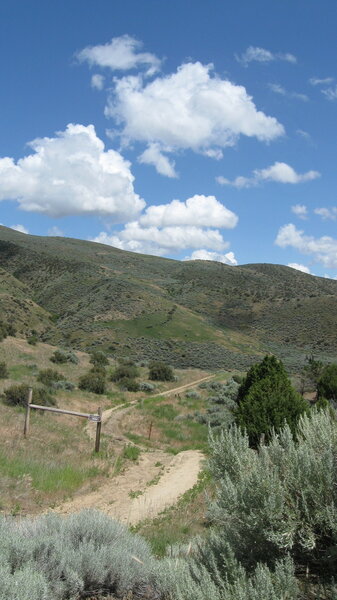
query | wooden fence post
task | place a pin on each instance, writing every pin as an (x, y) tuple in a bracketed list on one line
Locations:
[(27, 415), (98, 430)]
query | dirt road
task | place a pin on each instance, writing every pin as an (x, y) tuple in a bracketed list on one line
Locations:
[(145, 489), (156, 481)]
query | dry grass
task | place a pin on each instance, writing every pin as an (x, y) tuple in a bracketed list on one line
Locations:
[(57, 458)]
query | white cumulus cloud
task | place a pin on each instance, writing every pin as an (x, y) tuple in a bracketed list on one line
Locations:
[(20, 228), (227, 259), (299, 267), (279, 172), (317, 81), (330, 93), (261, 55), (327, 213), (160, 241), (300, 210), (154, 156), (323, 250), (71, 174), (176, 226), (121, 53), (97, 81), (190, 109), (279, 89), (201, 211)]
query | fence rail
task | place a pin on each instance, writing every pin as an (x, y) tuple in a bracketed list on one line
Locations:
[(91, 417)]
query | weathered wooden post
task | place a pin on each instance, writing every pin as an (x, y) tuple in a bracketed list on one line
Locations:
[(27, 415), (98, 430)]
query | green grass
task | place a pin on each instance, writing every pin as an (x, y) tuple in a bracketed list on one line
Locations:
[(131, 452), (16, 372), (177, 524), (45, 476), (184, 434), (182, 325)]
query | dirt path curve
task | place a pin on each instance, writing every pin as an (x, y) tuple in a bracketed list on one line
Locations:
[(155, 482), (121, 409), (145, 489)]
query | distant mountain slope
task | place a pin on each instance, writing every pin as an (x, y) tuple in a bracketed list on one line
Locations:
[(198, 313)]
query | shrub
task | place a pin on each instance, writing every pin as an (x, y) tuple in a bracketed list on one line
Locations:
[(49, 376), (17, 395), (62, 357), (130, 385), (327, 383), (3, 370), (98, 370), (124, 371), (63, 385), (93, 382), (32, 340), (145, 386), (85, 555), (281, 499), (193, 394), (59, 357), (99, 358), (5, 330), (160, 371)]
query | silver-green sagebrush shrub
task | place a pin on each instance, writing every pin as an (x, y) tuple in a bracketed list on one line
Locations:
[(85, 554), (281, 498), (199, 578)]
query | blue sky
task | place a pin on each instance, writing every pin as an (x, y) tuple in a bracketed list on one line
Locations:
[(187, 129)]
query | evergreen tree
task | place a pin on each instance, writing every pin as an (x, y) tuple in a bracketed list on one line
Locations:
[(327, 383), (267, 400)]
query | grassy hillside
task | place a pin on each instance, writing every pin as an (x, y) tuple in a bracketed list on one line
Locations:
[(197, 313)]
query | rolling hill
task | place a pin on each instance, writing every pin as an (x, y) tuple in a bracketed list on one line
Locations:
[(196, 313)]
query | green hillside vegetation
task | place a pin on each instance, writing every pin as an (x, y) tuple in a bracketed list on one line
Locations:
[(191, 314)]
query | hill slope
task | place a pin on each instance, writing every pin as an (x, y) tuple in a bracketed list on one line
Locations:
[(197, 313)]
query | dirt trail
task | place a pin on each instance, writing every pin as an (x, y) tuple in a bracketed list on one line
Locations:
[(121, 409), (155, 482)]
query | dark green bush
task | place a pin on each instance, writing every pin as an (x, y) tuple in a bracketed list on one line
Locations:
[(6, 329), (160, 371), (130, 385), (32, 340), (99, 359), (124, 372), (327, 383), (17, 395), (269, 366), (49, 376), (62, 357), (93, 382), (3, 370), (98, 370), (59, 357)]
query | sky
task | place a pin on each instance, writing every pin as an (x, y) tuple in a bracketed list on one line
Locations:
[(183, 128)]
